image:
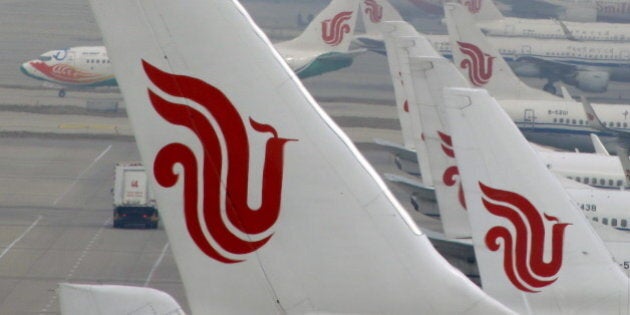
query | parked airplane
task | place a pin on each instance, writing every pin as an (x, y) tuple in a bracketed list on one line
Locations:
[(591, 10), (324, 46), (492, 22), (426, 74), (586, 65), (597, 170), (530, 239), (541, 116), (215, 134)]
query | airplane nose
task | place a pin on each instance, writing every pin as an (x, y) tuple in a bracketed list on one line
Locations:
[(27, 69)]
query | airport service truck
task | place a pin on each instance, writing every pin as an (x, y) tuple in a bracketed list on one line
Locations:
[(134, 204)]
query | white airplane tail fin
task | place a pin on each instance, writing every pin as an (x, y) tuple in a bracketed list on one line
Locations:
[(331, 30), (482, 10), (393, 33), (268, 206), (91, 299), (480, 61), (426, 73), (375, 12), (536, 251)]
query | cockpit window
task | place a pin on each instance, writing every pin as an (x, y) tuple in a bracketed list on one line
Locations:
[(45, 58)]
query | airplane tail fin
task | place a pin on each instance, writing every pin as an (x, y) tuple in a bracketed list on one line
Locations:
[(331, 30), (425, 75), (408, 115), (375, 12), (536, 251), (480, 62), (482, 10), (267, 204), (91, 299)]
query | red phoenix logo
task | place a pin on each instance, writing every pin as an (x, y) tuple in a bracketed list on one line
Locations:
[(479, 64), (451, 174), (473, 5), (374, 10), (206, 190), (523, 260), (334, 29)]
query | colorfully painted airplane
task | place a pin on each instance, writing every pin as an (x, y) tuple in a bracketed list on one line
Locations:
[(324, 46), (492, 22), (426, 74), (536, 251), (262, 195)]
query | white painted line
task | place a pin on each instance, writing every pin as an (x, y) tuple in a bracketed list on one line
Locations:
[(76, 180), (8, 248), (76, 264), (156, 264)]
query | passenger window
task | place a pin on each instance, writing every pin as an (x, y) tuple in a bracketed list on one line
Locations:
[(602, 182), (561, 120), (613, 222), (574, 121), (594, 181), (620, 183), (585, 180), (555, 120), (618, 125), (624, 223), (578, 179), (625, 125), (581, 122), (595, 219), (605, 221), (611, 182)]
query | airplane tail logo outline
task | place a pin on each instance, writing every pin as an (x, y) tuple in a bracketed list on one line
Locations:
[(473, 5), (451, 176), (373, 10), (523, 253), (333, 30), (239, 214), (478, 63)]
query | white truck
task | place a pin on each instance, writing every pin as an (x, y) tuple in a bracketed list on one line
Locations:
[(134, 204)]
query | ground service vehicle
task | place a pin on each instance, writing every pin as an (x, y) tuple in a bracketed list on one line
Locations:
[(134, 204)]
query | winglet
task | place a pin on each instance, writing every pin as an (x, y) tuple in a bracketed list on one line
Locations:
[(598, 145)]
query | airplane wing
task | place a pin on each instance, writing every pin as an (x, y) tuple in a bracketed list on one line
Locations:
[(413, 187), (398, 150)]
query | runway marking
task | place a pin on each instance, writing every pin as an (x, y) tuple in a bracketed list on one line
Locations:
[(77, 263), (6, 250), (76, 180), (156, 264)]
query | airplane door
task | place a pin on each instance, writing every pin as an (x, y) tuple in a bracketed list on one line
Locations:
[(529, 118)]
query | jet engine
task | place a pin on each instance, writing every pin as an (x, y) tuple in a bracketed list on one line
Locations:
[(589, 81)]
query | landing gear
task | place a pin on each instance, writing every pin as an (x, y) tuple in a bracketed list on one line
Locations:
[(62, 93), (550, 88)]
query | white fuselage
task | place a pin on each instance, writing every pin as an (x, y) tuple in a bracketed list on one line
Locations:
[(611, 57), (550, 29), (76, 66)]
